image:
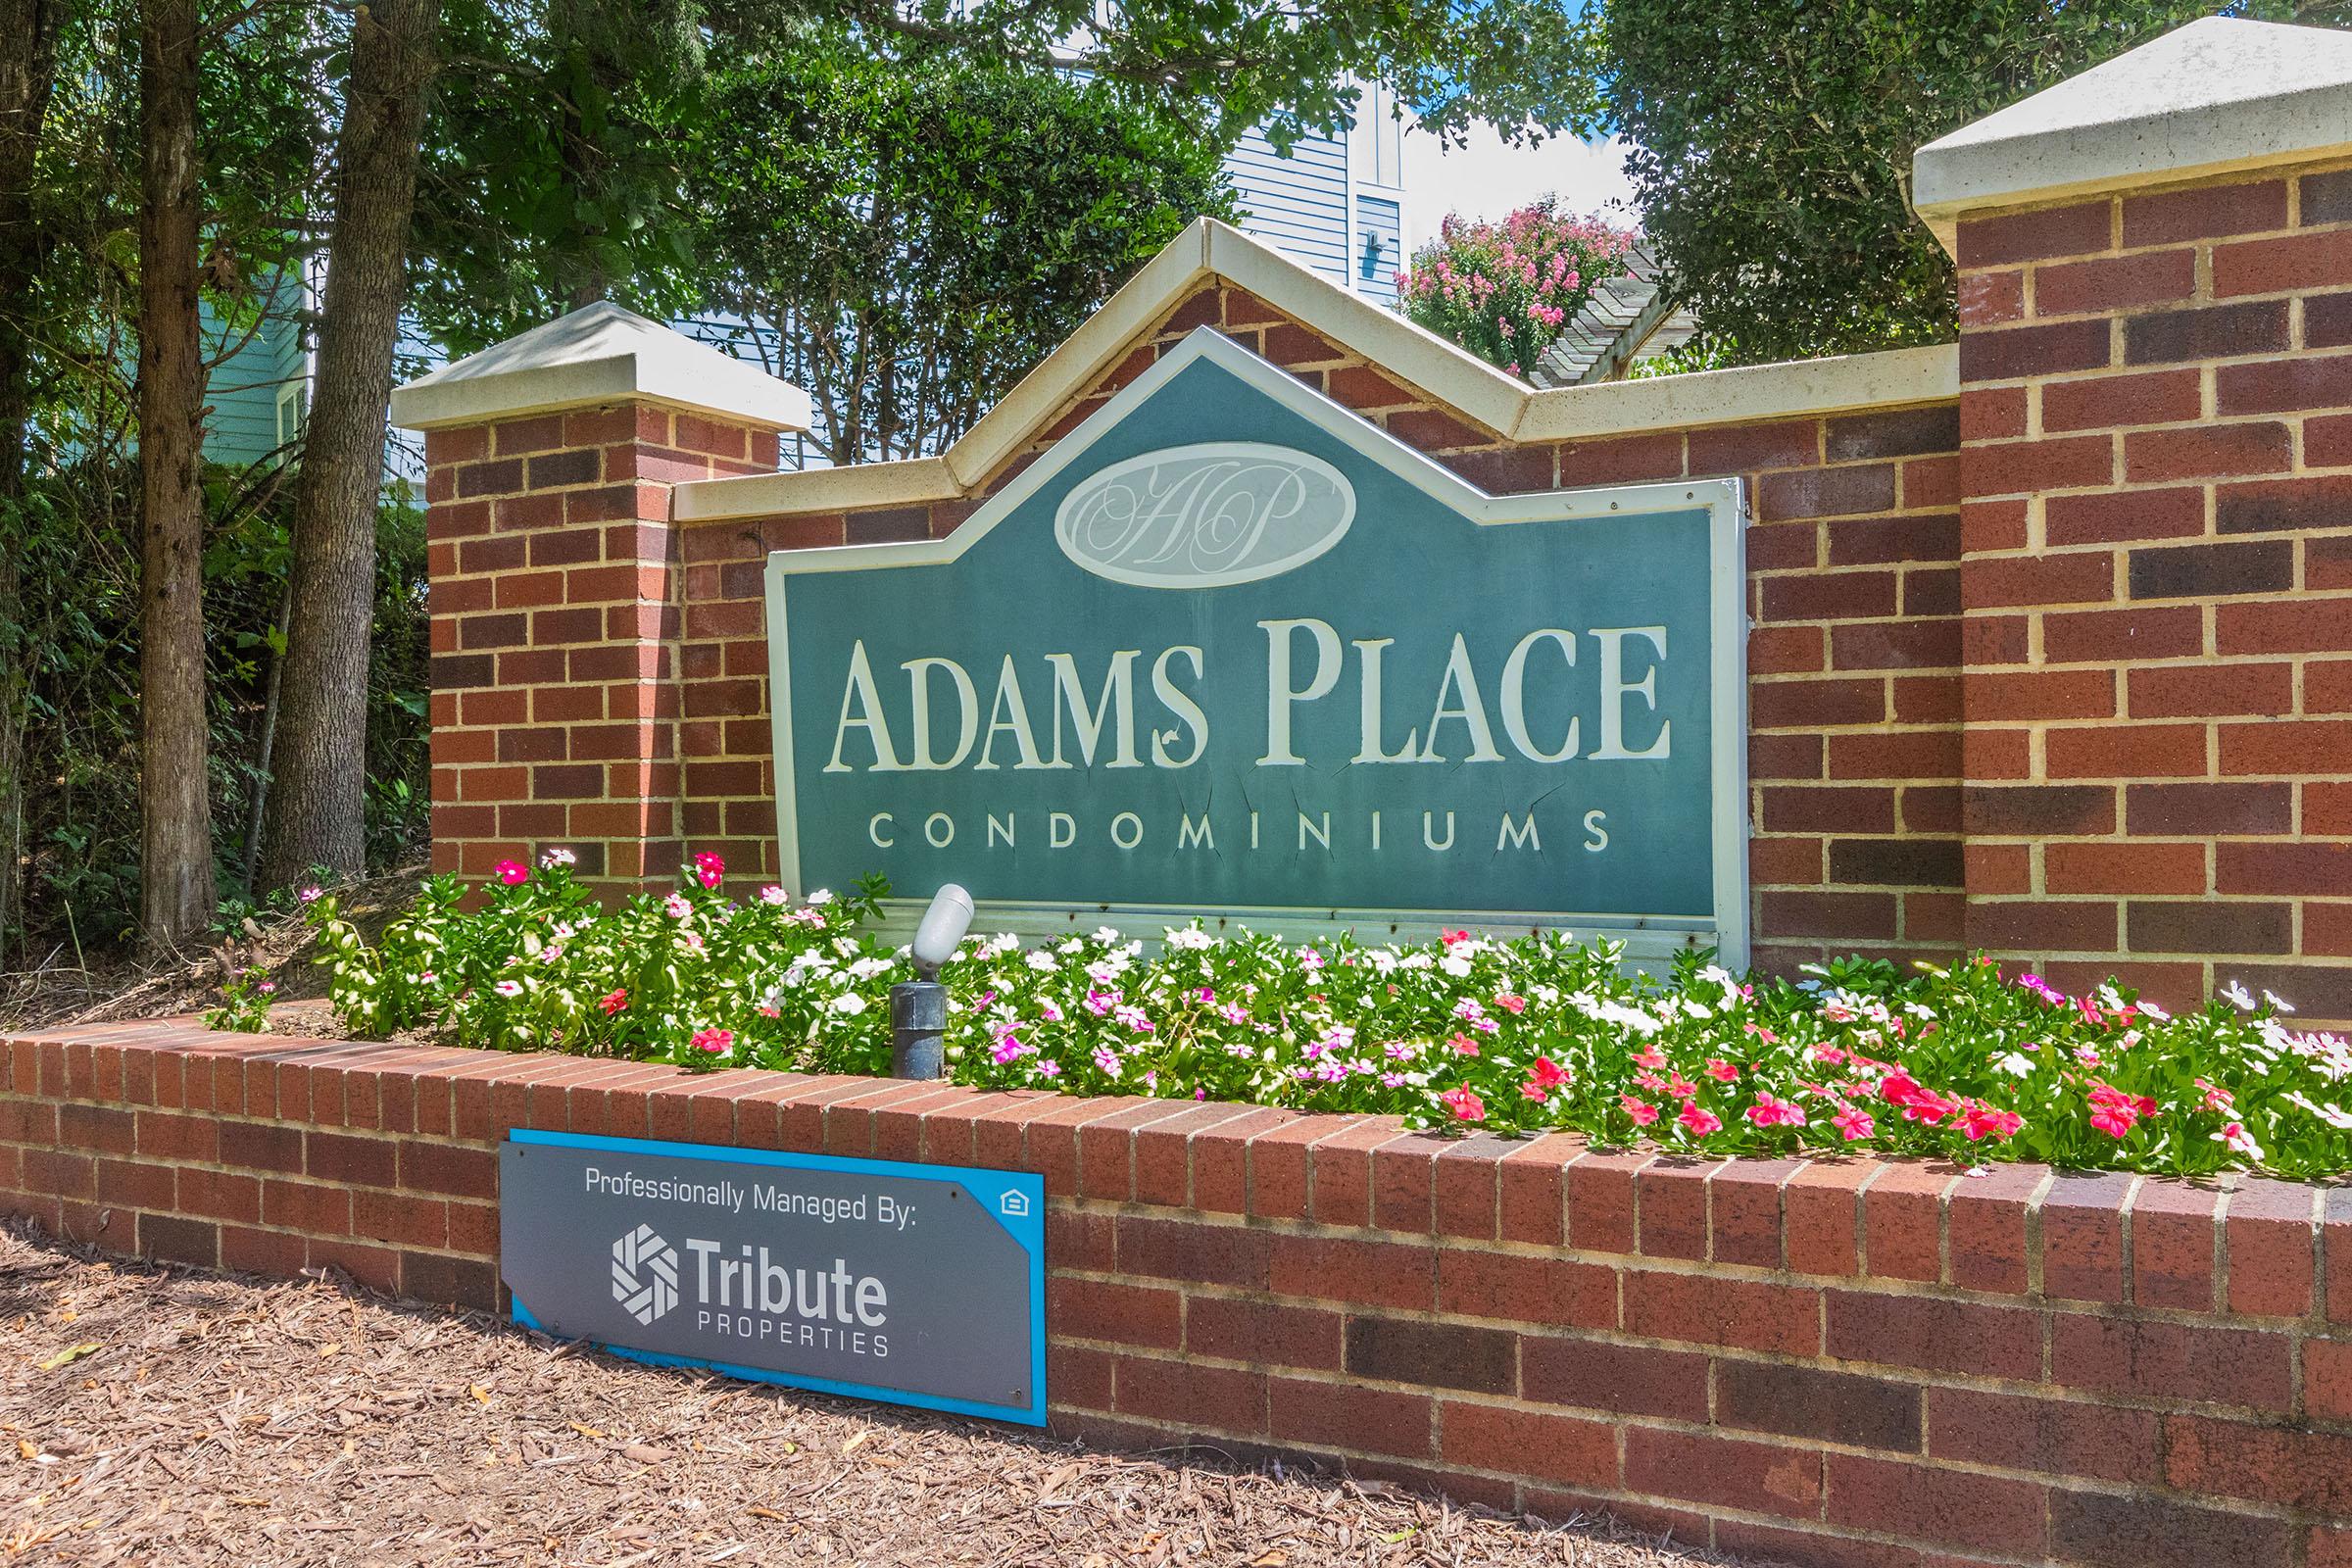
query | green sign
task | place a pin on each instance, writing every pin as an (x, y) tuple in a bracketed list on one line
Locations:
[(1228, 649)]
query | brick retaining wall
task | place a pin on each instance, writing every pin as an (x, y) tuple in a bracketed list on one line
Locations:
[(1886, 1365)]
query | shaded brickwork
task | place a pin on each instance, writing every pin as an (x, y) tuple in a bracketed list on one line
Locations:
[(557, 610), (2157, 516)]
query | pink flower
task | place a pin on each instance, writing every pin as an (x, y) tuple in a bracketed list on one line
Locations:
[(1465, 1105), (1543, 1078), (716, 1042), (1511, 1004), (1649, 1057), (1772, 1111), (1463, 1046), (1980, 1121), (512, 873), (1916, 1103), (614, 1000), (1698, 1119), (708, 868), (1722, 1071), (1854, 1123), (1641, 1110)]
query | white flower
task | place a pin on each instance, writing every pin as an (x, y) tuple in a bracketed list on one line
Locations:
[(2149, 1009), (1108, 936), (2240, 996), (509, 988), (1042, 962), (849, 1004), (2016, 1065), (1192, 939), (772, 894), (2238, 1138), (821, 896), (1457, 967), (2272, 998), (555, 857), (867, 968)]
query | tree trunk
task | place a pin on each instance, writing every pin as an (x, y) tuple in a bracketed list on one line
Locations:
[(177, 892), (28, 72), (319, 814)]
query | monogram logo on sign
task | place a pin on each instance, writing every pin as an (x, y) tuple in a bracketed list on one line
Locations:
[(645, 1274), (1204, 515)]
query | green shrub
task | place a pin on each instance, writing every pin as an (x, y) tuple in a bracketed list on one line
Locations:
[(1513, 1036)]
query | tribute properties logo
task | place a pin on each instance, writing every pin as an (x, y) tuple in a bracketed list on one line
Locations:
[(645, 1274)]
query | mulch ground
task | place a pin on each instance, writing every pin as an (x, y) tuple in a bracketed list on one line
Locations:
[(164, 1416)]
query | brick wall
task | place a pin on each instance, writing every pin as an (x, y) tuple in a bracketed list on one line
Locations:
[(2158, 584), (556, 612), (1842, 1363), (1854, 563), (2062, 671)]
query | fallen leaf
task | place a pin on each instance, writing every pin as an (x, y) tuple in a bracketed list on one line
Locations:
[(585, 1432), (852, 1444), (71, 1352), (27, 1449), (766, 1513), (479, 1393), (1271, 1557)]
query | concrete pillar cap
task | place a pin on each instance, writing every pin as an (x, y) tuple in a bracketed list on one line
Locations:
[(2217, 96), (596, 355)]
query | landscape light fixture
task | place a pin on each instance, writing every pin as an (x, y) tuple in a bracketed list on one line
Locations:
[(919, 1007)]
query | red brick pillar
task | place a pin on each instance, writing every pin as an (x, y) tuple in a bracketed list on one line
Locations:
[(556, 585), (2156, 472)]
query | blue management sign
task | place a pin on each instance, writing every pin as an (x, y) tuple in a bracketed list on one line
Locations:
[(917, 1283), (1228, 649)]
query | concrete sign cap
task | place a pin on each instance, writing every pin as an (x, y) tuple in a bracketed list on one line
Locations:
[(2216, 96), (596, 354)]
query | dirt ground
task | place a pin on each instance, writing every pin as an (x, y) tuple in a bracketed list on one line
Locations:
[(164, 1416), (69, 984)]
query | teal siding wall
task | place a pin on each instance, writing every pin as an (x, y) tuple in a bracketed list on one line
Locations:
[(245, 388)]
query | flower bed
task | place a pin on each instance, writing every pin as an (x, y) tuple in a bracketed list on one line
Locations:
[(1507, 1035)]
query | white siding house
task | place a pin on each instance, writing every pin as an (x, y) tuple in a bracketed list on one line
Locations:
[(1335, 202)]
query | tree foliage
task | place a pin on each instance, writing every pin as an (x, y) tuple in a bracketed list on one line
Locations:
[(975, 180), (918, 236), (1772, 142)]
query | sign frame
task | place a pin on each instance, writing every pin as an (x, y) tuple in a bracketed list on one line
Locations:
[(988, 1188), (1655, 937)]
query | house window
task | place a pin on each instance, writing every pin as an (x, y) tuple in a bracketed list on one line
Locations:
[(289, 412)]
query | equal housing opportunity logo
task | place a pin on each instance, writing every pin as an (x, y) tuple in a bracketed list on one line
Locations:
[(645, 1274)]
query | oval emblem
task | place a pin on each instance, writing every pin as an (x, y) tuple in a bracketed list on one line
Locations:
[(1204, 517)]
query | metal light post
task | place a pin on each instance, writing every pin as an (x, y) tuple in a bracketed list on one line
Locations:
[(919, 1007)]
